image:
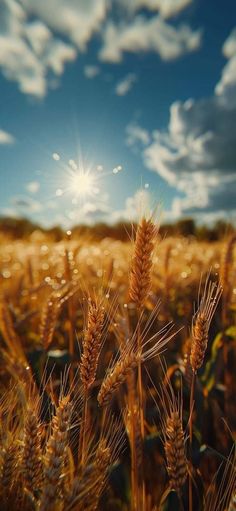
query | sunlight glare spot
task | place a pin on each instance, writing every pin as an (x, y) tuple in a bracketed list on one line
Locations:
[(82, 183), (73, 164), (56, 156), (117, 169)]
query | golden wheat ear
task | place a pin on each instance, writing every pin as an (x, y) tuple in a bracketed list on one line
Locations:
[(10, 336), (173, 435), (92, 343), (9, 459), (116, 376), (201, 323), (55, 454), (141, 266), (31, 463), (129, 360), (49, 316)]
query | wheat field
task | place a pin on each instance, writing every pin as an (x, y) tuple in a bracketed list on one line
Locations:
[(117, 373)]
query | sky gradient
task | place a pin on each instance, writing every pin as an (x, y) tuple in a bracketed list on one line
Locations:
[(109, 107)]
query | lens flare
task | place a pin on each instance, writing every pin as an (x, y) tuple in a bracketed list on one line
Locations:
[(81, 183)]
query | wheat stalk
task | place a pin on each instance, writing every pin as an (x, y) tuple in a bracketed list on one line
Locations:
[(128, 361), (201, 323), (200, 329), (92, 344), (140, 273), (173, 434), (175, 451), (10, 336), (139, 287), (31, 465), (54, 458), (226, 265), (8, 470), (116, 377), (223, 497), (49, 315)]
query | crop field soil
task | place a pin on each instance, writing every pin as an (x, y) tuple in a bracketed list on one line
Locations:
[(117, 373)]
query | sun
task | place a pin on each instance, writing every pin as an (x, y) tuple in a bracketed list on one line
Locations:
[(81, 183)]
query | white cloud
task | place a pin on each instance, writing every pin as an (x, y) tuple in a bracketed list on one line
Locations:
[(28, 50), (88, 213), (78, 20), (33, 186), (226, 88), (125, 85), (38, 38), (6, 138), (167, 8), (136, 135), (229, 46), (135, 206), (91, 71), (57, 55), (148, 34), (197, 155)]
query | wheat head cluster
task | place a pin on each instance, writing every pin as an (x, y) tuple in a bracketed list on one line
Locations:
[(117, 386)]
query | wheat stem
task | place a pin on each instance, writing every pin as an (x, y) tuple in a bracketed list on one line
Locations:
[(141, 414), (191, 407), (83, 431)]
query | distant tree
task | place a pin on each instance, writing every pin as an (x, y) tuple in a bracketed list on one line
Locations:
[(56, 233), (186, 227), (124, 231)]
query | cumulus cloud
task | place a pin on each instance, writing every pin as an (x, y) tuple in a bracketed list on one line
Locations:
[(136, 135), (197, 155), (6, 138), (76, 20), (89, 212), (135, 206), (91, 71), (167, 8), (226, 87), (148, 34), (125, 85), (38, 38), (29, 50)]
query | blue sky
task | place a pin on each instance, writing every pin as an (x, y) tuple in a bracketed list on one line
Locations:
[(110, 107)]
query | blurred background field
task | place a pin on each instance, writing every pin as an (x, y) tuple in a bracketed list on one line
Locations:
[(37, 272)]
